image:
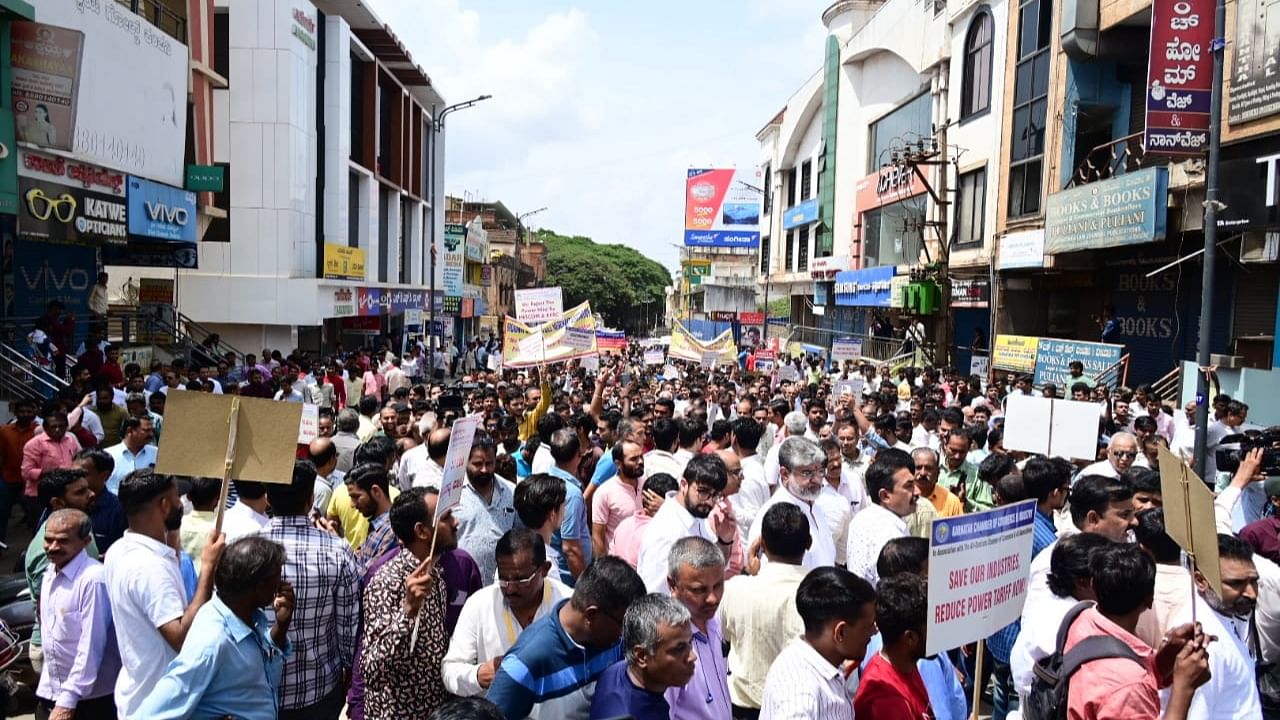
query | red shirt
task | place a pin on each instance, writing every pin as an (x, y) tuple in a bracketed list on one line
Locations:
[(885, 694)]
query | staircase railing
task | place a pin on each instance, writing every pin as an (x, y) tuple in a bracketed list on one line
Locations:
[(1169, 387), (1115, 375), (145, 326), (24, 378)]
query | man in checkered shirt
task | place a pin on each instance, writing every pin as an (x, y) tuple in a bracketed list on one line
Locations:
[(326, 622)]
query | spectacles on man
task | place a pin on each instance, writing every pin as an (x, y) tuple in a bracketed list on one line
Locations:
[(513, 584), (1130, 454)]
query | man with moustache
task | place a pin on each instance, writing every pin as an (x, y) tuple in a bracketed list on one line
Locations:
[(145, 586), (696, 570), (487, 508), (658, 642), (802, 466)]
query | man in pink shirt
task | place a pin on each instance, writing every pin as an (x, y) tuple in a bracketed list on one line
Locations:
[(1124, 580), (48, 450), (629, 534), (618, 497)]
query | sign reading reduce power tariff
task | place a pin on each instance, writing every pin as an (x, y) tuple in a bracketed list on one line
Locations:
[(1125, 210)]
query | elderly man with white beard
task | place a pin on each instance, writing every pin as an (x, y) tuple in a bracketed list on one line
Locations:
[(802, 469)]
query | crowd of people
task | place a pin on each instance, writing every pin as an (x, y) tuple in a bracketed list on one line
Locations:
[(646, 541)]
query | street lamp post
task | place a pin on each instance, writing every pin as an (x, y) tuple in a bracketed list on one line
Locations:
[(437, 127)]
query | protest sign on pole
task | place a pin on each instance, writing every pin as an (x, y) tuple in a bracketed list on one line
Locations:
[(654, 356), (309, 428), (579, 338), (455, 463), (980, 365), (709, 358), (539, 305), (1057, 428), (532, 346), (1189, 517), (979, 570), (846, 349)]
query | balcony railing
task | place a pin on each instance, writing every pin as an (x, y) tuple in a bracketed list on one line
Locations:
[(158, 14), (1113, 158)]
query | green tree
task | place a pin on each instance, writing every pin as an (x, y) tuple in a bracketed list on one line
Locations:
[(624, 287)]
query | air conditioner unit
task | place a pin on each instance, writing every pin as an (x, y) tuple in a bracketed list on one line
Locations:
[(1258, 247), (1227, 362)]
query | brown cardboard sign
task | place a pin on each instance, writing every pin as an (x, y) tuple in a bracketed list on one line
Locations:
[(1188, 516), (197, 434)]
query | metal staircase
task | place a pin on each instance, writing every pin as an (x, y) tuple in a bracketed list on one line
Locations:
[(23, 378)]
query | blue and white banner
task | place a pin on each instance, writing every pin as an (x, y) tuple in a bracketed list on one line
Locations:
[(160, 212)]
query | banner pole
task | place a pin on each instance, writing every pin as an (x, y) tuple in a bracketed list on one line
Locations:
[(232, 420), (977, 679), (417, 619)]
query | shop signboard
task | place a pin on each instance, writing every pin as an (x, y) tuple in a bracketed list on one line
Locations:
[(695, 269), (160, 212), (486, 276), (43, 272), (802, 214), (1130, 209), (722, 207), (476, 248), (1253, 91), (1054, 356), (343, 263), (45, 80), (889, 185), (453, 263), (723, 315), (871, 287), (1252, 198), (53, 212), (1024, 249), (1179, 77), (155, 291), (205, 178), (180, 255), (1015, 352), (898, 290), (970, 292), (344, 302), (127, 63)]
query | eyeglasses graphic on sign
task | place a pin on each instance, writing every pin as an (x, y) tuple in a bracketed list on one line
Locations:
[(42, 207)]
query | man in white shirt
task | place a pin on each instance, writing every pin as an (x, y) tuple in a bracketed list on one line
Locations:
[(891, 487), (145, 586), (1232, 690), (793, 425), (806, 680), (1121, 452), (249, 515), (685, 513), (755, 490), (816, 413), (493, 618), (423, 466), (803, 479), (662, 458)]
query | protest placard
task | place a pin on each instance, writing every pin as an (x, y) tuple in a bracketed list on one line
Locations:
[(539, 305), (309, 428), (199, 437), (852, 386), (590, 363), (533, 345), (709, 358), (1189, 516), (980, 365), (979, 568), (579, 338), (789, 372), (654, 356), (670, 373), (846, 349), (455, 463), (1058, 428)]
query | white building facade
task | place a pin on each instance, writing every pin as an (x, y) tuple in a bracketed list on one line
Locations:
[(334, 189)]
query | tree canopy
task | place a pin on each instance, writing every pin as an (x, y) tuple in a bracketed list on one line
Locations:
[(625, 288)]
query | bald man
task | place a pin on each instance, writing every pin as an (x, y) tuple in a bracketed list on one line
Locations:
[(324, 455), (423, 466)]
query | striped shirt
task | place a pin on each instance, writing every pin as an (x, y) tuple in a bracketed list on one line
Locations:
[(802, 684), (326, 620), (548, 669)]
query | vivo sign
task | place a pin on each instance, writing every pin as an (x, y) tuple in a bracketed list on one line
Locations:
[(161, 212)]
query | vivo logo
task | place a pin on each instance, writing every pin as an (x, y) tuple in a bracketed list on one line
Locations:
[(159, 212), (47, 277)]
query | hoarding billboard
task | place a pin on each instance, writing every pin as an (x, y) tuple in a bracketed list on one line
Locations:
[(722, 207)]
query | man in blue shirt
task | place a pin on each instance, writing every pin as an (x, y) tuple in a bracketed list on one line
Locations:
[(134, 452), (1048, 480), (573, 540), (558, 656), (657, 637), (232, 659), (107, 514)]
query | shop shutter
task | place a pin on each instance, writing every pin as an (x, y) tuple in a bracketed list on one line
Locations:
[(1255, 305)]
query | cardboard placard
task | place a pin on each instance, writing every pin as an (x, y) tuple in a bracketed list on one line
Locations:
[(1189, 516), (654, 356), (1061, 428), (197, 435), (979, 571)]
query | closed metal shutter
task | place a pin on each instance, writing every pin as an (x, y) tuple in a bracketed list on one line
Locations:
[(1256, 293)]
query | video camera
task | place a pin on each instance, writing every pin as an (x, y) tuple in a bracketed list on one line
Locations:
[(1269, 440)]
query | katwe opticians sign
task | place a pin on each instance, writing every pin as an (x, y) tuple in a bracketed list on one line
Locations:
[(53, 212)]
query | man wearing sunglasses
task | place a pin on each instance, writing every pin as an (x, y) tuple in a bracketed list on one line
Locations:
[(493, 618), (1121, 452)]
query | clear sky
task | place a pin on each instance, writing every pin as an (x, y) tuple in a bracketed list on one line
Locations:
[(600, 106)]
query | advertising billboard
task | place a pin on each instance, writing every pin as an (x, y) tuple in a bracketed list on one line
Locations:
[(1254, 73), (46, 74), (1179, 77), (454, 263), (161, 212), (53, 212), (343, 263), (127, 63), (722, 207)]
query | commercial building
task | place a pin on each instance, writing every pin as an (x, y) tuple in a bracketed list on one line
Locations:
[(512, 258), (333, 192)]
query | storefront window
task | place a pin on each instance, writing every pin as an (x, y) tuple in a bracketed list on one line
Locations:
[(908, 124), (891, 234)]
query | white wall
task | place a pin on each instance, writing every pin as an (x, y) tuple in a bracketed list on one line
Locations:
[(337, 125)]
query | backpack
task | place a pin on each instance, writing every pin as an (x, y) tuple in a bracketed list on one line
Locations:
[(1050, 686)]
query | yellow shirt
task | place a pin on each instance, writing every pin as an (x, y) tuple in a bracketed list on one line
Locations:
[(945, 502), (355, 527), (529, 425)]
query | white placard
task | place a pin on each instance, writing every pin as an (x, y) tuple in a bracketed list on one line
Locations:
[(710, 358), (590, 363), (309, 428), (532, 346), (455, 463), (654, 356), (1057, 428), (539, 305), (852, 386), (495, 361), (846, 349), (579, 338), (980, 365), (670, 372), (789, 372), (979, 569)]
